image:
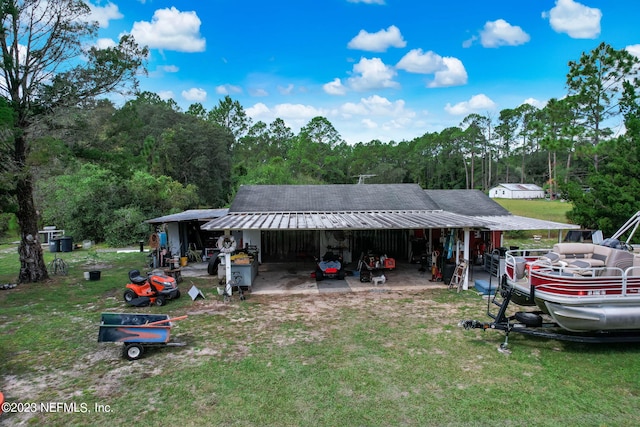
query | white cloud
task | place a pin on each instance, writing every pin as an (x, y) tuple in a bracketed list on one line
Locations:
[(334, 87), (477, 103), (453, 75), (369, 124), (448, 71), (575, 19), (105, 43), (469, 42), (286, 112), (535, 102), (372, 74), (294, 115), (417, 61), (286, 90), (228, 89), (195, 94), (501, 33), (633, 50), (258, 92), (378, 42), (258, 110), (377, 117), (169, 68), (297, 111), (165, 94), (170, 29), (350, 109), (376, 106), (103, 14), (370, 118)]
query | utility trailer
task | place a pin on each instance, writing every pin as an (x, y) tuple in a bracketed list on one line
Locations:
[(137, 331)]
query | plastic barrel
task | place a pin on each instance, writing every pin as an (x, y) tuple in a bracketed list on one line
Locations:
[(66, 244), (54, 245)]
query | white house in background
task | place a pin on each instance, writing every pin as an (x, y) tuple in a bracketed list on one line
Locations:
[(516, 191)]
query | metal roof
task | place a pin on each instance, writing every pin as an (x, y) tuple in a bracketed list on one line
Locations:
[(203, 215), (362, 220), (466, 202), (331, 198), (521, 187), (368, 207), (515, 222)]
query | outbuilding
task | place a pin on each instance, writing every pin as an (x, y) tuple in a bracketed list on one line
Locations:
[(300, 222), (182, 232), (516, 191)]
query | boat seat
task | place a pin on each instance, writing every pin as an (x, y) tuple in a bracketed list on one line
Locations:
[(595, 255), (552, 258), (581, 267), (635, 271), (618, 261)]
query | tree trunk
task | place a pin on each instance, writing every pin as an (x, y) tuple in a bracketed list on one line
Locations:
[(555, 175), (551, 190), (32, 266)]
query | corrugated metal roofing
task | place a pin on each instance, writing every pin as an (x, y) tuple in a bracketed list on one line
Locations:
[(515, 222), (521, 187), (406, 206), (364, 220), (190, 215)]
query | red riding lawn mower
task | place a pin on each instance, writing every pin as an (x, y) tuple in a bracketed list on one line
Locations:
[(155, 289), (329, 267)]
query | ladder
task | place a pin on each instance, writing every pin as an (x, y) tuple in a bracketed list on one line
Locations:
[(459, 276)]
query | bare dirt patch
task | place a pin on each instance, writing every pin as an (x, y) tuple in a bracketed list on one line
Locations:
[(224, 331)]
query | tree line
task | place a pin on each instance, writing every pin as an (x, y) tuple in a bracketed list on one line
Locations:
[(73, 159)]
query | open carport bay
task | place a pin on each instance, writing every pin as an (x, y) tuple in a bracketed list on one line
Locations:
[(296, 278)]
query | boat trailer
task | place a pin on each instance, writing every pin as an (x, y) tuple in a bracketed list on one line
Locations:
[(533, 323)]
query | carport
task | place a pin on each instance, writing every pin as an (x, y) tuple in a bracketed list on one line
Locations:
[(294, 222), (298, 222)]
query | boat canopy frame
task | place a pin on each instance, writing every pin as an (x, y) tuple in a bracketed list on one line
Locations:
[(634, 222)]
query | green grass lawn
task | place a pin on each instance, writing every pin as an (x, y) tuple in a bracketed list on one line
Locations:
[(369, 359), (540, 209), (537, 208)]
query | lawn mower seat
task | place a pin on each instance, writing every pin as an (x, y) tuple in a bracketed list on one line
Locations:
[(135, 277)]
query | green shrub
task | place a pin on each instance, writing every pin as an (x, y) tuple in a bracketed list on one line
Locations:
[(127, 227)]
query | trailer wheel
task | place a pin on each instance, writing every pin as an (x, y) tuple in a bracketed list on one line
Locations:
[(133, 351), (129, 295), (529, 319)]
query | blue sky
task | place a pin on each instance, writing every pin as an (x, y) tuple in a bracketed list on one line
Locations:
[(376, 69)]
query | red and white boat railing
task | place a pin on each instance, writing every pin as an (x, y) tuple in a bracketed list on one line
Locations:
[(526, 268)]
